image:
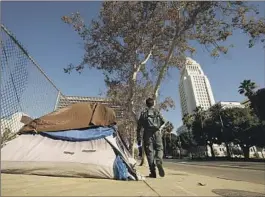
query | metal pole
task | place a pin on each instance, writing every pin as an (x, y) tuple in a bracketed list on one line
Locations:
[(57, 101)]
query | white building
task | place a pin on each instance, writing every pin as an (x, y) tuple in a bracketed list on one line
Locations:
[(194, 88), (230, 104)]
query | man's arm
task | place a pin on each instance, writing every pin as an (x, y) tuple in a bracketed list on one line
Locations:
[(162, 119)]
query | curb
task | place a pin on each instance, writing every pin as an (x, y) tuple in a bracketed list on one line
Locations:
[(221, 166)]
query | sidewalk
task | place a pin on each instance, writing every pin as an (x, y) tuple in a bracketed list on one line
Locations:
[(175, 183)]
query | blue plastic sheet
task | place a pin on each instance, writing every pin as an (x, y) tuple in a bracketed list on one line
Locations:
[(81, 135), (120, 169)]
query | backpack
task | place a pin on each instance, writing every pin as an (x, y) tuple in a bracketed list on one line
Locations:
[(152, 119)]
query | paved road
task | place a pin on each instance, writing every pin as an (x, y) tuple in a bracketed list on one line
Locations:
[(230, 164), (239, 171)]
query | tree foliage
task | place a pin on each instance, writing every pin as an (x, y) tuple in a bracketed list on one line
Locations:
[(219, 125), (170, 143), (247, 87), (128, 34), (258, 100), (134, 43), (187, 140)]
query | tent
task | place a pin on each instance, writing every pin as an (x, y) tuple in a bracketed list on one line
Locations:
[(80, 140)]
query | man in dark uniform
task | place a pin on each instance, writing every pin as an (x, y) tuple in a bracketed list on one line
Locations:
[(151, 120)]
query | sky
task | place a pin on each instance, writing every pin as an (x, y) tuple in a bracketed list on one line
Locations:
[(54, 45)]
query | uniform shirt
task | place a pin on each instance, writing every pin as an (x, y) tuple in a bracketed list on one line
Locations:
[(142, 120)]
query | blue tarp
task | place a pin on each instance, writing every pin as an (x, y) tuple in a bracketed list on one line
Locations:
[(120, 169), (81, 135)]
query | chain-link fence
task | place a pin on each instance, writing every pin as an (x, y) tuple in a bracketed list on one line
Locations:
[(25, 89)]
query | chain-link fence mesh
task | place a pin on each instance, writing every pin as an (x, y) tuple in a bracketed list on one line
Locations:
[(25, 89)]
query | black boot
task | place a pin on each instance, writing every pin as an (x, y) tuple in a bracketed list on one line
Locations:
[(160, 169), (152, 174)]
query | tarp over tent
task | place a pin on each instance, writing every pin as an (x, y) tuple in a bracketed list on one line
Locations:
[(76, 116), (87, 146)]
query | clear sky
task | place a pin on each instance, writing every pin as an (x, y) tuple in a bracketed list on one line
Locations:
[(53, 44)]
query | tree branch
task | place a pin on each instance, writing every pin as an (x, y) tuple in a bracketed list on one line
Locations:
[(148, 56)]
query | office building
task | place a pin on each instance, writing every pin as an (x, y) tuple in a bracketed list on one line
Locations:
[(194, 88)]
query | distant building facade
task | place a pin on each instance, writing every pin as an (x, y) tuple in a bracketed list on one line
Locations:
[(230, 104), (194, 88)]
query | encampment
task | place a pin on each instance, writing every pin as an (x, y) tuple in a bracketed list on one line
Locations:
[(80, 140)]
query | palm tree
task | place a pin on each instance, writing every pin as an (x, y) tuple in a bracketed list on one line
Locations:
[(199, 113), (187, 121), (216, 112), (200, 131), (247, 87)]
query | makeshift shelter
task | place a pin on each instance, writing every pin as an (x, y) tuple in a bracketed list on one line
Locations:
[(80, 140)]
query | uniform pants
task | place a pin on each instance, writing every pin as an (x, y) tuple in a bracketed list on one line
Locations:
[(153, 146)]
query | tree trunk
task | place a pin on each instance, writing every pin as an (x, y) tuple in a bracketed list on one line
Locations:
[(163, 70), (180, 153), (178, 34), (132, 86), (144, 158), (262, 154), (212, 150), (132, 83), (132, 145), (207, 155), (245, 152), (227, 150), (261, 151)]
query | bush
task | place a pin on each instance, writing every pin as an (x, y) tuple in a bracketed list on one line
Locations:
[(236, 151), (6, 136)]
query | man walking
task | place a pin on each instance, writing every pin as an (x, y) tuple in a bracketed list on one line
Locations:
[(151, 120)]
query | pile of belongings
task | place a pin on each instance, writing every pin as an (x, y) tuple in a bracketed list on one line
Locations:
[(80, 140)]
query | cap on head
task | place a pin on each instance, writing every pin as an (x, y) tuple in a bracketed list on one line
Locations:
[(150, 102)]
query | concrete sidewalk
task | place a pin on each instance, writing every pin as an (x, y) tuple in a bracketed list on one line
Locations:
[(175, 183)]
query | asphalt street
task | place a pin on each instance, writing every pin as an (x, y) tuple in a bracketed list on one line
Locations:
[(253, 172)]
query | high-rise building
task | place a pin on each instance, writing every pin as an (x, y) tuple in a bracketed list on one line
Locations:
[(194, 88)]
